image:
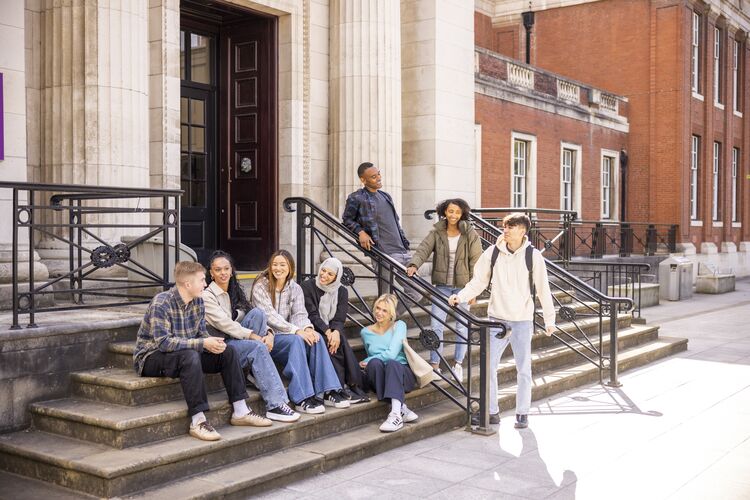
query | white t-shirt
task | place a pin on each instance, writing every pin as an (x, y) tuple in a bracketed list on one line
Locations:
[(452, 247)]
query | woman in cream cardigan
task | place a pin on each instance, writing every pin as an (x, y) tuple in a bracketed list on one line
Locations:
[(228, 314)]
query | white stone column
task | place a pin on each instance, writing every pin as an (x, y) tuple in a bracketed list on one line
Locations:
[(94, 110), (437, 41), (365, 115), (13, 61)]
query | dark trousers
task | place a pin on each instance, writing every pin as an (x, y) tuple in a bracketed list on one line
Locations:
[(390, 379), (346, 364), (189, 366)]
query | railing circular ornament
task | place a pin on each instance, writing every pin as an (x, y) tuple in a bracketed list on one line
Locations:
[(103, 256), (24, 302), (605, 309), (122, 252), (429, 339), (475, 337), (347, 276), (23, 216), (171, 217), (567, 313), (501, 331), (307, 221)]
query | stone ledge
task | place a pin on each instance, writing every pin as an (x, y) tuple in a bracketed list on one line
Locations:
[(715, 283)]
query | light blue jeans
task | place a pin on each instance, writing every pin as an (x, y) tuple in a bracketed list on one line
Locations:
[(520, 341), (308, 368), (255, 356), (438, 326)]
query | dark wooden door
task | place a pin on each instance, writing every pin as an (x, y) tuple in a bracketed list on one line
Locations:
[(198, 140), (248, 166)]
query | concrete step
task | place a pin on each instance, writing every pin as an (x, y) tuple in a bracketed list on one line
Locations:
[(249, 458), (101, 421)]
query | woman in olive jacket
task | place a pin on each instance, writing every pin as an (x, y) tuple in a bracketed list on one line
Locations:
[(457, 248)]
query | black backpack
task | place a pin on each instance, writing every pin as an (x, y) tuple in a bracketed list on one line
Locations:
[(529, 266)]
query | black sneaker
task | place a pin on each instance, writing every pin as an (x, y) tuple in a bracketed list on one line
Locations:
[(357, 395), (494, 419), (335, 399), (310, 405), (282, 413), (522, 421)]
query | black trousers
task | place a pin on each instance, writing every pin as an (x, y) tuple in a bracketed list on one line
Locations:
[(346, 364), (390, 379), (189, 366)]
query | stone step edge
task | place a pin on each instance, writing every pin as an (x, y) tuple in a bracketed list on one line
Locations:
[(78, 465), (304, 460), (94, 377), (249, 473)]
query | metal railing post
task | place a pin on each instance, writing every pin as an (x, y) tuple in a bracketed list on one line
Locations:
[(32, 298), (613, 347), (14, 262), (165, 238), (672, 238), (485, 373), (651, 240), (300, 235)]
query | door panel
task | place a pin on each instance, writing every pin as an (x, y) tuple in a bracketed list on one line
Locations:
[(248, 138)]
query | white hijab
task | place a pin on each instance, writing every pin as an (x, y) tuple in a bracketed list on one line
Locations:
[(329, 300)]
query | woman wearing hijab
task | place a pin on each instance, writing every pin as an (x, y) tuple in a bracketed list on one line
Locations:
[(327, 304)]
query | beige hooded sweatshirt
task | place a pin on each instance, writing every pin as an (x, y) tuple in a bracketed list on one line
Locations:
[(510, 296)]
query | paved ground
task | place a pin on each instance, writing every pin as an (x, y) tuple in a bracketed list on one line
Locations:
[(676, 429)]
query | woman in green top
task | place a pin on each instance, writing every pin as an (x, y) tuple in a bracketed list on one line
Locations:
[(386, 370), (457, 248)]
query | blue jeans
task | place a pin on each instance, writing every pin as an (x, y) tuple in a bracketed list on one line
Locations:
[(255, 356), (520, 341), (438, 327), (308, 368)]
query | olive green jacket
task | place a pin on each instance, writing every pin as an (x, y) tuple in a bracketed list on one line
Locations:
[(467, 254)]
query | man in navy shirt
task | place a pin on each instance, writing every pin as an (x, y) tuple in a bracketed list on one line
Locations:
[(371, 214)]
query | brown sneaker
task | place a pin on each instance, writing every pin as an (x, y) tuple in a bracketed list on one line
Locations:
[(252, 419), (204, 431)]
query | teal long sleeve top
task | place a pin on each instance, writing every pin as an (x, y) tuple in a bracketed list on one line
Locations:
[(389, 345)]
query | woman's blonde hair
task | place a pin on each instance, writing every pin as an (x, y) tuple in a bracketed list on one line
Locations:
[(389, 302)]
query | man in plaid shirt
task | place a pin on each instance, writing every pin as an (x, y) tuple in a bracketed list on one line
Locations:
[(173, 342)]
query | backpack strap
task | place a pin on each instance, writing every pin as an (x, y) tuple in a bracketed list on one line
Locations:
[(530, 267), (495, 253)]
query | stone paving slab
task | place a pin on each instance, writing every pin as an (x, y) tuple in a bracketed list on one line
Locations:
[(677, 429)]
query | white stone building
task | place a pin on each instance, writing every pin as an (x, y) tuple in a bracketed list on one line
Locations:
[(242, 104)]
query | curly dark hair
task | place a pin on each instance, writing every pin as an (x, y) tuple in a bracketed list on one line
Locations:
[(236, 293), (459, 202)]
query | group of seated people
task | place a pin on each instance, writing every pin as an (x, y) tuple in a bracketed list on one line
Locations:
[(207, 324)]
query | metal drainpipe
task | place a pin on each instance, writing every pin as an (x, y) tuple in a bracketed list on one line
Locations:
[(528, 23), (623, 184)]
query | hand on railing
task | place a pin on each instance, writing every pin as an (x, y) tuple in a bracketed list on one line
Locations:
[(411, 270), (365, 241)]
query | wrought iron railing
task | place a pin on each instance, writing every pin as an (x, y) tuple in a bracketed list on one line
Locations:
[(84, 220), (581, 308), (617, 279), (594, 239), (566, 237), (317, 231)]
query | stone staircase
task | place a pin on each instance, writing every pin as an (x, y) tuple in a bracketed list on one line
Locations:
[(120, 435)]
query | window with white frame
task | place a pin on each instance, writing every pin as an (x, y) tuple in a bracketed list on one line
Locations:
[(520, 162), (735, 166), (716, 201), (608, 164), (718, 97), (567, 176), (736, 87), (695, 53), (694, 158)]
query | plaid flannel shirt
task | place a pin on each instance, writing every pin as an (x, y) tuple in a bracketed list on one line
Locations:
[(170, 325), (359, 214), (290, 314)]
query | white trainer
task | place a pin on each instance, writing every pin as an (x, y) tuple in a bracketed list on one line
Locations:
[(459, 371), (407, 415), (393, 423)]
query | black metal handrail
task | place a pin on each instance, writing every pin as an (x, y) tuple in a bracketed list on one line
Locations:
[(589, 304), (73, 214), (318, 230), (596, 238)]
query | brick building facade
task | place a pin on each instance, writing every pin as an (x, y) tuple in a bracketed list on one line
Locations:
[(682, 66)]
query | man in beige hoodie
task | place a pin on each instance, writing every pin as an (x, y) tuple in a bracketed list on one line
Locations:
[(512, 303)]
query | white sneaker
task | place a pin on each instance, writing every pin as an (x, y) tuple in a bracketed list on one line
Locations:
[(459, 371), (393, 423), (407, 415)]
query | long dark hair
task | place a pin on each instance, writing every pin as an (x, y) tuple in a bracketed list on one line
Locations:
[(459, 202), (236, 294), (266, 273)]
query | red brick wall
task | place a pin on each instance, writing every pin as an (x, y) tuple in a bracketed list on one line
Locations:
[(500, 118), (641, 49), (504, 40)]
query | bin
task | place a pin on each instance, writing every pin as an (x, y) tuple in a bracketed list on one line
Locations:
[(676, 278)]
